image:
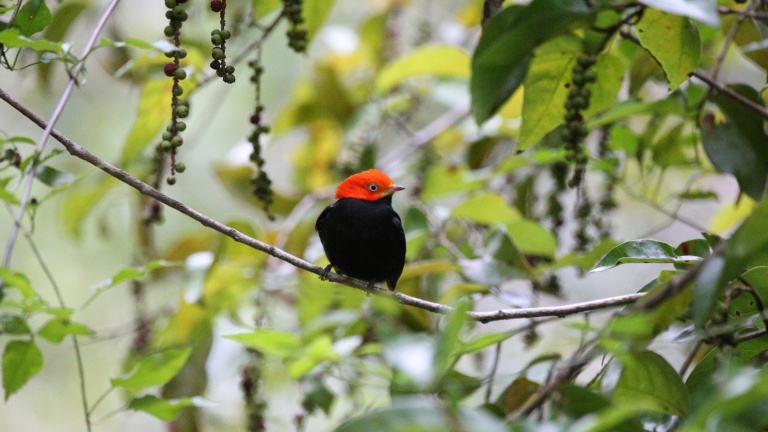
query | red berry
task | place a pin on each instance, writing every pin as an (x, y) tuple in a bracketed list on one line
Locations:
[(255, 118), (169, 69), (217, 5)]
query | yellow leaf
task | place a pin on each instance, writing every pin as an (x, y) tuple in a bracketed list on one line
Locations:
[(731, 214), (439, 61)]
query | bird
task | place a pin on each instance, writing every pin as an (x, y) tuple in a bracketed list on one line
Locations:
[(361, 233)]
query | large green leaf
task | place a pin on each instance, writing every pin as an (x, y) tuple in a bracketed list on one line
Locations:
[(649, 381), (33, 17), (506, 48), (673, 41), (546, 89), (642, 251), (156, 369), (153, 112), (11, 38), (21, 361), (314, 13), (738, 145), (487, 208)]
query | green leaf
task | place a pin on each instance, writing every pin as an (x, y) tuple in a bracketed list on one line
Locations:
[(439, 61), (320, 349), (21, 361), (80, 201), (128, 274), (482, 342), (57, 329), (506, 47), (641, 251), (611, 66), (632, 108), (648, 380), (262, 8), (163, 409), (442, 180), (18, 281), (579, 402), (532, 238), (737, 146), (271, 342), (487, 208), (53, 177), (12, 39), (314, 13), (32, 18), (153, 112), (156, 369), (673, 41), (701, 10), (448, 343), (546, 89)]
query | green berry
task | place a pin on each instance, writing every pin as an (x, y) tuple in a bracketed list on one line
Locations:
[(178, 90), (170, 4), (217, 40), (177, 141), (229, 69), (182, 111), (166, 136), (171, 180), (590, 76), (166, 145), (182, 53), (229, 78), (226, 34), (169, 31), (217, 53), (181, 126), (180, 74), (180, 167)]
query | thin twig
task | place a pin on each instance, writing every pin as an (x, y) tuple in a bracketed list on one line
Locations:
[(503, 314), (47, 132)]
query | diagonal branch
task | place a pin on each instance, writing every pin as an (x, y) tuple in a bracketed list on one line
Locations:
[(503, 314)]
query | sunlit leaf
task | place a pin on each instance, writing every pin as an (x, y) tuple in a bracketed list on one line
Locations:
[(532, 238), (153, 112), (439, 61), (21, 361), (271, 342), (314, 13), (81, 200), (153, 370), (487, 208), (673, 41), (546, 88), (163, 409), (57, 329), (17, 280), (12, 39), (505, 49)]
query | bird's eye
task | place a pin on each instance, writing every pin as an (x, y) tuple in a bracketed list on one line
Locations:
[(373, 187)]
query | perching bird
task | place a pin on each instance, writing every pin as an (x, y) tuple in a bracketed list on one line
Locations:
[(361, 233)]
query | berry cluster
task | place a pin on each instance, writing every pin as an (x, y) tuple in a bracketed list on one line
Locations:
[(176, 15), (297, 36), (262, 184), (219, 39), (578, 100)]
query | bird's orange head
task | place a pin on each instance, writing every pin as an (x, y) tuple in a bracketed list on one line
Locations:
[(371, 185)]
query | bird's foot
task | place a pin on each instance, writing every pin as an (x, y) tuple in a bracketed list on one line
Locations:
[(326, 271)]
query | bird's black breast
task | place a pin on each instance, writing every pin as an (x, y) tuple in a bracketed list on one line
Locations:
[(363, 239)]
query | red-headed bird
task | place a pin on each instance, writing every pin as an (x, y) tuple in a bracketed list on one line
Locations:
[(361, 233)]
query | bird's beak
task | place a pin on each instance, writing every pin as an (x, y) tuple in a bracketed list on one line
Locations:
[(392, 189)]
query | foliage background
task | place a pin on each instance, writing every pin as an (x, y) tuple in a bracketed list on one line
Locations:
[(307, 153)]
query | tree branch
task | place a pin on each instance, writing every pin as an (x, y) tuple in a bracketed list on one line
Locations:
[(503, 314), (736, 96)]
